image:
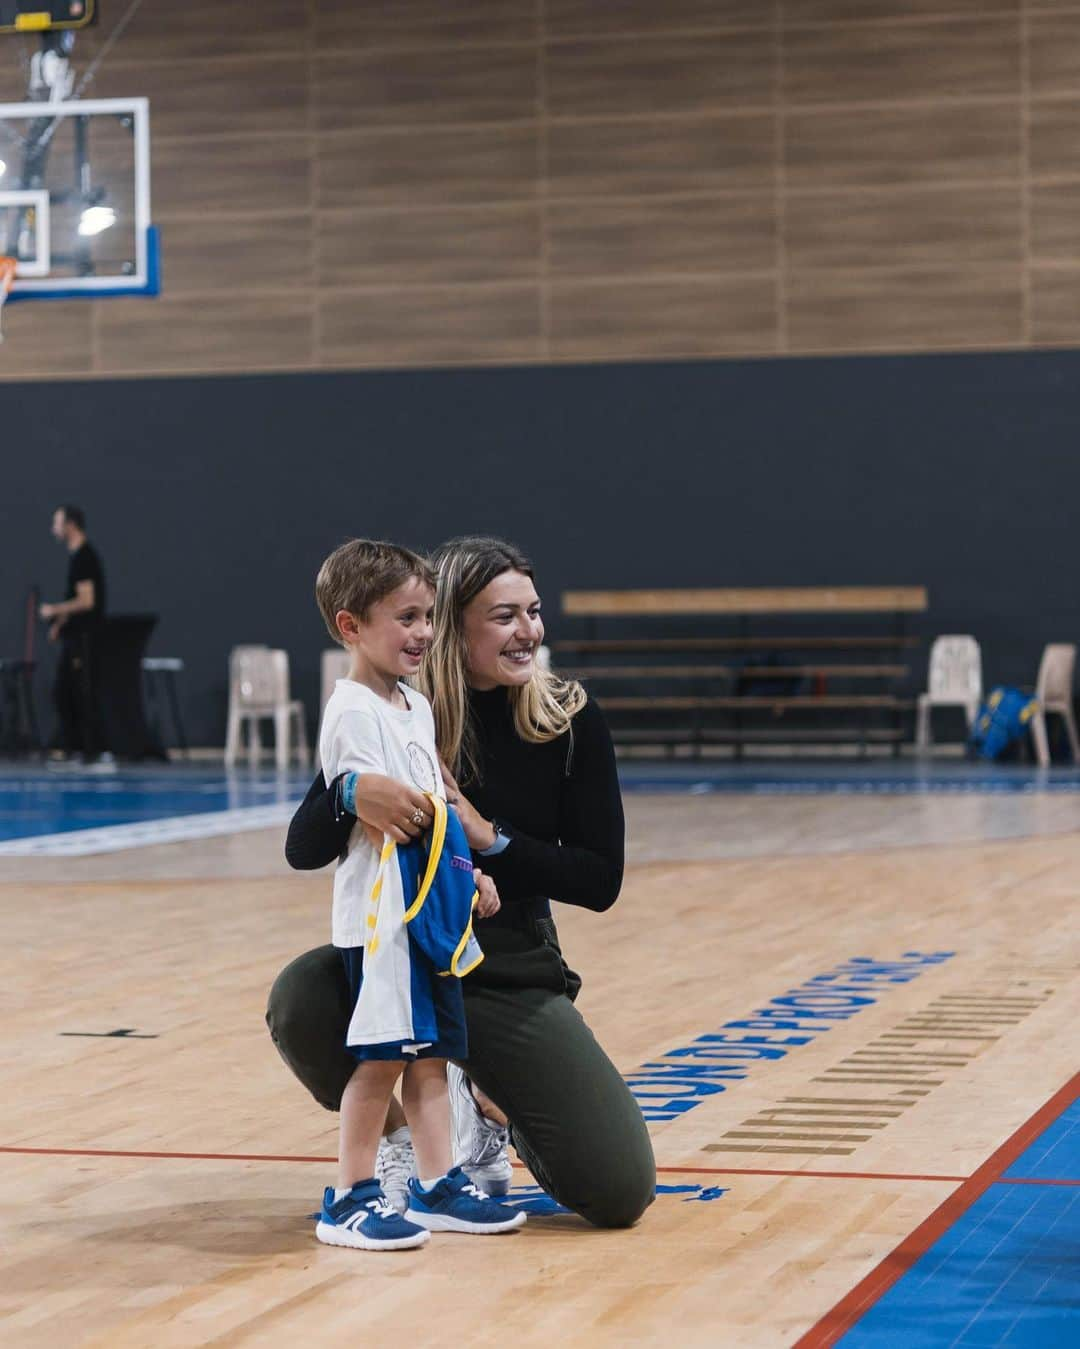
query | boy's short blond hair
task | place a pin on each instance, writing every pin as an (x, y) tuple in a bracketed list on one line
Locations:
[(361, 573)]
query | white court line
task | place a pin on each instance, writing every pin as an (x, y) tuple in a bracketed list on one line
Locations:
[(173, 829)]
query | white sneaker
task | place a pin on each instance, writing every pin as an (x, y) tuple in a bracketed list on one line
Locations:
[(395, 1164), (480, 1147)]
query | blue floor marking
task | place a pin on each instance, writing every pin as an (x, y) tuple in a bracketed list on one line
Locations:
[(35, 802), (532, 1199), (1055, 1154), (1006, 1275)]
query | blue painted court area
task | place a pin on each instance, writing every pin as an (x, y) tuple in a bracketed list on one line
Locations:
[(1007, 1273), (38, 802)]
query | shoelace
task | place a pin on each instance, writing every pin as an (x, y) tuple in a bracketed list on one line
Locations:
[(382, 1208), (491, 1141), (396, 1162)]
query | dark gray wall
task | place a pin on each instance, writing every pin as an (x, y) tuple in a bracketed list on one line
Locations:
[(214, 500)]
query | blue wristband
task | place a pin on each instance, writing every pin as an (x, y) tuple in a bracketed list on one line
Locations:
[(348, 792)]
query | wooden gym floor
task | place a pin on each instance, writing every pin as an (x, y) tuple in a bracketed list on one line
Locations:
[(158, 1191)]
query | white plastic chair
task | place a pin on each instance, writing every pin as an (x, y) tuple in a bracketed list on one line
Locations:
[(1053, 691), (259, 689), (333, 666), (954, 680)]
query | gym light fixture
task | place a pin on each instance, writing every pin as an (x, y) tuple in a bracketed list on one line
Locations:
[(95, 219)]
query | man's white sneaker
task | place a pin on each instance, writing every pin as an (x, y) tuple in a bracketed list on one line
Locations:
[(395, 1165), (480, 1147)]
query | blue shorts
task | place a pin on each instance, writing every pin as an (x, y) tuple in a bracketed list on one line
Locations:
[(451, 1041)]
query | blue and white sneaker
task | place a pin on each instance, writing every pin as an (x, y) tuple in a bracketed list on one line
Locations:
[(365, 1219), (455, 1204)]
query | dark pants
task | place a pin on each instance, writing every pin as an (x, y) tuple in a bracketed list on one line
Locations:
[(80, 729), (573, 1120)]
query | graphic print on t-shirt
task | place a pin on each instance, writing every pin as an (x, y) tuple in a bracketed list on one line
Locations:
[(421, 767)]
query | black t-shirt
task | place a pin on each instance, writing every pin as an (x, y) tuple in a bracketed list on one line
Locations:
[(84, 564)]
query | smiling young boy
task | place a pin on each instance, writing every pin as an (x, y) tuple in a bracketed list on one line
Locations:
[(377, 600)]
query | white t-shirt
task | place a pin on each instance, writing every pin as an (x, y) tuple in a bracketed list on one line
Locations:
[(363, 733)]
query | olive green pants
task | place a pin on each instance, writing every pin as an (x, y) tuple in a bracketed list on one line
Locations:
[(573, 1120)]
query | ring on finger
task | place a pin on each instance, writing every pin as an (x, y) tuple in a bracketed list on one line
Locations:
[(418, 817)]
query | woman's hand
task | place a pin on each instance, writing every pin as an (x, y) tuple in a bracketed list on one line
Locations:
[(487, 901), (479, 832), (392, 808)]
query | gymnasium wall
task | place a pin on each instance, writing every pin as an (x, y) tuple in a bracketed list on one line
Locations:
[(344, 184), (213, 501)]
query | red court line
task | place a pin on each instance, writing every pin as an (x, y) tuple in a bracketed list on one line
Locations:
[(268, 1157), (880, 1279), (661, 1170), (777, 1171)]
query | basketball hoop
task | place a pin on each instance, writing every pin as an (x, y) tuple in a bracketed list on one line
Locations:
[(7, 280)]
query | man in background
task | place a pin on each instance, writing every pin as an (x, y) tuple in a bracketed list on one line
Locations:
[(75, 622)]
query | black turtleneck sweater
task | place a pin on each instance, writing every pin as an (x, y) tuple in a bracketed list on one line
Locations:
[(559, 803)]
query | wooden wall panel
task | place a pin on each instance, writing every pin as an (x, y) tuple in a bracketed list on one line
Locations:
[(597, 237), (354, 24), (1055, 304), (631, 158), (870, 11), (454, 325), (201, 175), (869, 63), (426, 87), (243, 254), (921, 227), (663, 318), (214, 332), (383, 248), (908, 310), (222, 97), (431, 167), (586, 18), (660, 74), (196, 30), (921, 143), (54, 337), (351, 183), (1055, 53), (1054, 137)]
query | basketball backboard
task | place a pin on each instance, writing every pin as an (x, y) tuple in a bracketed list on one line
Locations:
[(75, 198)]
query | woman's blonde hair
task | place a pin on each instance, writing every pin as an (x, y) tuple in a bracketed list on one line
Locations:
[(542, 709)]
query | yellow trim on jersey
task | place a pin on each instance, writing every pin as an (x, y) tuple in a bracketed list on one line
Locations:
[(372, 944), (454, 969), (438, 838)]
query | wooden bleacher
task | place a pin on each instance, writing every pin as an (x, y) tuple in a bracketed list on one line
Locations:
[(775, 685)]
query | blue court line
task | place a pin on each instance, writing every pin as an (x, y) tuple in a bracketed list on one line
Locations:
[(1006, 1273)]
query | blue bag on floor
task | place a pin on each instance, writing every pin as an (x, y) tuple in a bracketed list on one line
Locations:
[(1001, 720)]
